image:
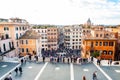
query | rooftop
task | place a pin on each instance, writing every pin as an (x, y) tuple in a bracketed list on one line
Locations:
[(30, 34), (92, 38)]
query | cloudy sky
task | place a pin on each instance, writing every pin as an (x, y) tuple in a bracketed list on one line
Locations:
[(62, 11)]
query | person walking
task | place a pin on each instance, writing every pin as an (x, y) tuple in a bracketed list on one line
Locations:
[(95, 75), (10, 76), (83, 78), (6, 78), (110, 62), (63, 59), (30, 57), (71, 58), (68, 60), (16, 70), (20, 69), (21, 61)]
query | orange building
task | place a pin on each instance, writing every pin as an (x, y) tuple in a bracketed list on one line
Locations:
[(52, 37), (29, 43), (101, 41), (13, 28)]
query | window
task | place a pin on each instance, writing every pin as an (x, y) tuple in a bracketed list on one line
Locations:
[(100, 35), (110, 52), (96, 43), (92, 44), (23, 27), (12, 45), (17, 44), (111, 44), (76, 47), (26, 41), (20, 34), (7, 28), (100, 43), (105, 52), (22, 49), (16, 28), (4, 28), (42, 37), (73, 47), (9, 45), (16, 35), (7, 36), (27, 50), (20, 28), (22, 42), (96, 35), (4, 47), (105, 43)]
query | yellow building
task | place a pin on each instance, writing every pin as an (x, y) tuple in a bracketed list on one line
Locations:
[(29, 43), (13, 28), (100, 41)]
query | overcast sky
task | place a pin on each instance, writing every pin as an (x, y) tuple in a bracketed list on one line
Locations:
[(62, 11)]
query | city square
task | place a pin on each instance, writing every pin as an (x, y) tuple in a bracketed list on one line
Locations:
[(60, 40), (33, 70)]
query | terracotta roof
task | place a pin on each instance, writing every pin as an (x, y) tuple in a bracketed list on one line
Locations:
[(30, 34)]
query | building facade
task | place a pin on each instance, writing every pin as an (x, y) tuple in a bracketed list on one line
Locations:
[(29, 44), (73, 37), (13, 28), (49, 37), (6, 47), (101, 41)]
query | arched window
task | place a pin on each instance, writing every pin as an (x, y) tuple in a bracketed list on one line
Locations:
[(16, 35), (7, 36)]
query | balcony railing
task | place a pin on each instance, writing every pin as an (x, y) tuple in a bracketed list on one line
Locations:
[(2, 38), (2, 53)]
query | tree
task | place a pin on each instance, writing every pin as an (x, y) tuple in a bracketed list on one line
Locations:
[(96, 54)]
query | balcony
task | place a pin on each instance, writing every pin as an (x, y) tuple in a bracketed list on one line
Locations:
[(2, 37), (2, 53)]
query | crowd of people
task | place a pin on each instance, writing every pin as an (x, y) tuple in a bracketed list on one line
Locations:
[(55, 59), (60, 58)]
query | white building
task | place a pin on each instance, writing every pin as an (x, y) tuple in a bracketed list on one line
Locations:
[(49, 37), (6, 47), (43, 38), (73, 36)]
